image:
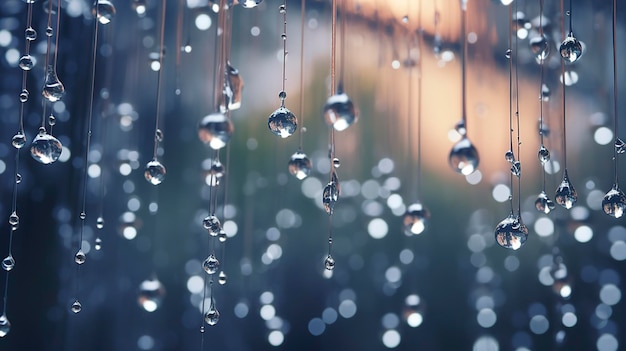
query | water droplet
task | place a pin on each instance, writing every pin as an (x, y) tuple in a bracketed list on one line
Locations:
[(98, 244), (463, 157), (8, 263), (53, 89), (202, 329), (232, 90), (543, 203), (216, 172), (222, 236), (18, 178), (543, 128), (80, 257), (509, 156), (566, 195), (543, 155), (460, 127), (5, 325), (215, 130), (283, 36), (151, 293), (26, 63), (540, 47), (282, 122), (614, 202), (250, 3), (49, 31), (336, 163), (331, 195), (76, 306), (516, 168), (24, 95), (140, 7), (158, 135), (45, 148), (212, 224), (19, 140), (300, 165), (221, 278), (105, 11), (155, 172), (211, 264), (339, 111), (415, 219), (281, 9), (511, 233), (52, 120), (14, 220), (545, 93), (30, 33), (571, 49), (329, 263), (82, 216), (620, 146), (212, 316), (100, 222), (507, 53)]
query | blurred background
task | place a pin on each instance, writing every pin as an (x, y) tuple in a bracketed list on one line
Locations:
[(449, 288)]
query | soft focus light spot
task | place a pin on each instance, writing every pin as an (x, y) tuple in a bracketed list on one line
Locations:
[(539, 324), (406, 256), (610, 294), (618, 250), (195, 284), (501, 193), (347, 308), (393, 274), (472, 38), (607, 342), (276, 338), (145, 342), (129, 232), (316, 326), (391, 339), (377, 228), (486, 318), (241, 309), (475, 177), (329, 315), (414, 319), (603, 136), (230, 228), (203, 21), (544, 226), (267, 312), (511, 263), (5, 38), (486, 343), (569, 319), (583, 234), (390, 320)]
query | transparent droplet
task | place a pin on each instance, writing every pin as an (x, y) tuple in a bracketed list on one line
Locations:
[(211, 264), (415, 219), (215, 130), (80, 257), (100, 222), (516, 168), (339, 111), (300, 165), (216, 173), (571, 48), (49, 31), (614, 202), (329, 263), (543, 203), (202, 330), (18, 178), (543, 155), (155, 172), (620, 146), (540, 47), (507, 53), (52, 120), (545, 93), (509, 156), (566, 195), (250, 3), (282, 122), (5, 325), (76, 306), (8, 263), (460, 127), (212, 316), (212, 225), (53, 89), (26, 63), (463, 157), (151, 294), (511, 233), (232, 90), (24, 95), (104, 10), (14, 220), (281, 9), (336, 163), (30, 33), (283, 36), (19, 140), (222, 236), (221, 278), (82, 216), (98, 244), (158, 135), (330, 195), (45, 148)]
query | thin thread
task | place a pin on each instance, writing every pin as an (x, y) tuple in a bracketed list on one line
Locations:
[(420, 47), (463, 63), (179, 41), (159, 75), (45, 66), (284, 36), (541, 128), (56, 32), (571, 29), (564, 144), (343, 45), (615, 95), (519, 143), (301, 113), (511, 96)]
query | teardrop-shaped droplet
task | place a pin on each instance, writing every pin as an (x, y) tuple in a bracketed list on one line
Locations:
[(330, 195), (543, 203), (45, 148), (329, 263), (158, 135), (516, 168), (5, 325), (151, 294), (614, 202), (545, 93), (212, 225), (104, 11), (155, 172), (511, 233), (19, 140), (415, 219), (215, 130), (8, 263), (80, 257), (30, 33), (460, 128), (212, 316), (282, 122), (300, 165), (215, 174), (566, 195), (211, 264), (221, 278), (463, 157), (26, 63), (571, 49), (543, 155), (100, 222), (620, 146), (222, 236), (76, 306), (53, 89), (340, 112), (250, 3), (540, 47), (509, 156), (98, 244)]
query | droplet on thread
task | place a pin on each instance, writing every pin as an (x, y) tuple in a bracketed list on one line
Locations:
[(8, 263), (212, 225), (566, 195), (5, 325), (329, 263), (415, 219), (45, 148), (614, 202), (76, 306), (300, 165), (463, 157), (211, 264), (543, 203), (511, 233), (154, 172), (80, 257), (282, 122)]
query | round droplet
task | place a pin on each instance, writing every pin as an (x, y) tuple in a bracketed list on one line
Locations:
[(80, 257), (45, 148), (140, 7), (202, 330), (49, 31), (155, 172), (212, 316), (330, 196), (100, 222), (211, 264), (571, 49), (76, 306), (540, 46), (336, 163), (516, 168), (543, 203), (30, 33), (620, 146), (283, 36), (282, 95), (614, 202), (250, 3), (53, 89), (221, 278), (543, 155), (329, 263), (8, 263), (566, 195), (151, 294), (14, 220), (82, 216), (216, 173), (511, 233), (222, 236), (5, 325), (158, 135), (105, 11), (281, 9), (26, 62), (300, 165), (509, 156), (215, 130), (19, 140), (460, 127), (463, 157), (282, 122), (545, 93), (212, 225), (24, 95), (52, 120), (98, 244), (415, 219), (340, 112)]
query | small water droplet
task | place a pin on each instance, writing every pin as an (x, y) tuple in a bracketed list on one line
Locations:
[(437, 45), (212, 316), (49, 31), (30, 33), (202, 330), (540, 47), (155, 172), (282, 9), (248, 4), (215, 130), (216, 173), (52, 120), (620, 146), (566, 195), (331, 195), (543, 203), (614, 202), (80, 257), (460, 127), (14, 220), (282, 122), (19, 140), (511, 233), (76, 306), (18, 178), (8, 263), (5, 325), (571, 49), (151, 293), (82, 216), (100, 222), (509, 156), (545, 93), (336, 163), (221, 278), (516, 168), (283, 36), (98, 244), (339, 111), (211, 264), (463, 157), (45, 148), (415, 219), (53, 89), (543, 155), (329, 263), (222, 236), (300, 165), (212, 225), (26, 63), (24, 95), (104, 10), (158, 135), (405, 19), (507, 53)]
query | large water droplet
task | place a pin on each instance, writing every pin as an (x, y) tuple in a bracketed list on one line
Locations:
[(340, 112), (543, 203), (151, 293), (511, 233), (282, 122), (250, 3), (566, 195), (45, 148), (211, 264), (543, 155), (331, 195), (540, 46), (26, 63), (215, 130), (614, 202), (463, 157), (8, 263), (571, 49), (19, 140), (80, 257), (5, 325), (155, 172), (221, 278), (329, 263), (76, 306), (212, 225), (53, 89), (105, 11), (212, 316), (216, 173), (415, 219), (300, 165)]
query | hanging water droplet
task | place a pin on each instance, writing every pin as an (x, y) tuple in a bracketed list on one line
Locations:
[(509, 156), (151, 294), (463, 157), (516, 168), (45, 148), (8, 263), (507, 53), (282, 122), (26, 63), (24, 95), (212, 316), (100, 222), (614, 202), (104, 11), (545, 93), (566, 195), (211, 264), (216, 173), (222, 236), (511, 233), (250, 3), (232, 90), (98, 244), (158, 135), (82, 216), (571, 48), (155, 172), (331, 195), (329, 262), (540, 47), (53, 89), (202, 330), (339, 111), (76, 306), (18, 178), (212, 224), (460, 127), (215, 130), (543, 203), (281, 9), (49, 31), (300, 165), (221, 278), (5, 325), (543, 155), (80, 257), (620, 146), (283, 36), (19, 140), (14, 220), (336, 163), (52, 120), (30, 33), (415, 219)]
